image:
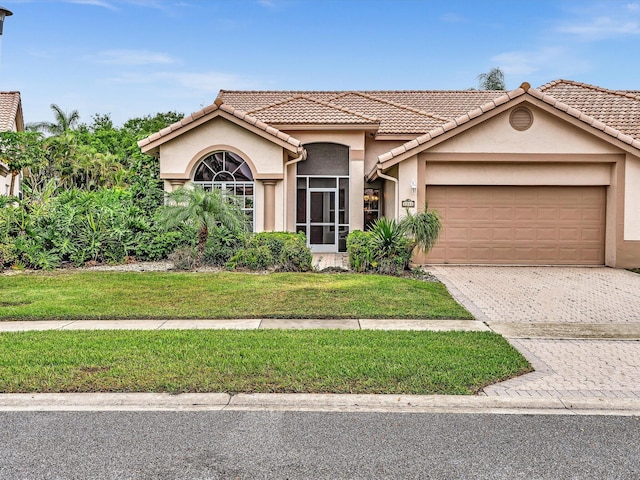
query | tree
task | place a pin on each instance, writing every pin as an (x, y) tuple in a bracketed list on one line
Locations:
[(492, 80), (19, 150), (63, 122), (204, 210)]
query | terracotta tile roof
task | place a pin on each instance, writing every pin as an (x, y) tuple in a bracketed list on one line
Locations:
[(445, 103), (395, 118), (618, 109), (239, 114), (540, 94), (10, 111), (305, 110), (399, 112)]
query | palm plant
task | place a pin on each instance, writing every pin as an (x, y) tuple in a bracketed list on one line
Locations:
[(204, 210), (63, 122), (423, 227)]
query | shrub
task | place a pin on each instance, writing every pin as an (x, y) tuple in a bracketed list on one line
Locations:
[(385, 249), (184, 258), (361, 256), (253, 258), (282, 251), (222, 245)]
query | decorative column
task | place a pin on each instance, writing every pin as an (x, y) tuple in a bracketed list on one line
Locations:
[(176, 183), (269, 205)]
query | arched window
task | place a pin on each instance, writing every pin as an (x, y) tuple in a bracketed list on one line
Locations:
[(232, 174)]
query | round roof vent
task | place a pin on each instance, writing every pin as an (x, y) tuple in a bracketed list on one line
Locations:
[(521, 118)]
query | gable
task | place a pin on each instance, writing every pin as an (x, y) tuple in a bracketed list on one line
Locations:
[(547, 134), (180, 154)]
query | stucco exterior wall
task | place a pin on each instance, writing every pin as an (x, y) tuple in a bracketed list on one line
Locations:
[(632, 199), (547, 134), (179, 156), (467, 173)]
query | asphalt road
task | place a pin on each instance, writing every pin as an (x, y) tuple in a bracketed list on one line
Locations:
[(298, 445)]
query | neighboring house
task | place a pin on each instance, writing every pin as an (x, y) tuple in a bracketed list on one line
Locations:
[(11, 120), (531, 176)]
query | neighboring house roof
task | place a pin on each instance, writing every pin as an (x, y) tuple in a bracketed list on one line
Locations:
[(11, 112), (398, 113), (151, 143), (601, 106)]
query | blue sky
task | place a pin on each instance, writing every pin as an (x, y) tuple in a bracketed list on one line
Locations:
[(131, 58)]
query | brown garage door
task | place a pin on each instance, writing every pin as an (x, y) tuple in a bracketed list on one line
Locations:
[(519, 225)]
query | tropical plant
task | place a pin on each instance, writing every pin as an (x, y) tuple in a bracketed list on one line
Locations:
[(62, 123), (204, 210), (19, 150), (492, 80), (423, 227)]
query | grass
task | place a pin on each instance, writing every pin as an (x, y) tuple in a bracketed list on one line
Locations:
[(284, 361), (634, 270), (155, 295)]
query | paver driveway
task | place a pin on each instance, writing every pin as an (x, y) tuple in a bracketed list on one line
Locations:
[(579, 327)]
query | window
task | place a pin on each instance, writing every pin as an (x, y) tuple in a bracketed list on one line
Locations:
[(371, 206), (229, 172)]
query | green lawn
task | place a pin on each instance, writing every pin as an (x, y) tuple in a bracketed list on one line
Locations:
[(346, 361), (96, 295)]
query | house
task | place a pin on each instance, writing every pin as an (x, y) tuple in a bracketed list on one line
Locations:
[(547, 175), (11, 120)]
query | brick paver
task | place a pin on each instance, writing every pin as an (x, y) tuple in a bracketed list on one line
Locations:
[(548, 294), (576, 368), (564, 368)]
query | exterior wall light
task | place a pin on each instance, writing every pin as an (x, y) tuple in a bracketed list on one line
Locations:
[(4, 13), (414, 186)]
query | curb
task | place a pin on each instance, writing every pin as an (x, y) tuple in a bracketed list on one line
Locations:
[(102, 402)]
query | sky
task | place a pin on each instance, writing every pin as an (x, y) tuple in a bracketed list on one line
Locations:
[(131, 58)]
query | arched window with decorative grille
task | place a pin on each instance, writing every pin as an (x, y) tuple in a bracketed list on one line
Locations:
[(229, 172)]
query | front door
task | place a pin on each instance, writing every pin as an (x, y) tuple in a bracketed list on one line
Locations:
[(322, 227)]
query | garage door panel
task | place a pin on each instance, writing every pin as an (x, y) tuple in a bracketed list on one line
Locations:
[(480, 213), (502, 214), (569, 234), (519, 225), (524, 234), (592, 235), (548, 214), (481, 233)]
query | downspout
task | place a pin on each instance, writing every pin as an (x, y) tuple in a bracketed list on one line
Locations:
[(397, 191), (303, 156)]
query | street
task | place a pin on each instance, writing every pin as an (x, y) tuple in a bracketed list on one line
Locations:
[(297, 445)]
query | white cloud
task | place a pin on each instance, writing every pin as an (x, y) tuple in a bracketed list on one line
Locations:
[(97, 3), (551, 60), (453, 18), (602, 27), (207, 82), (131, 57)]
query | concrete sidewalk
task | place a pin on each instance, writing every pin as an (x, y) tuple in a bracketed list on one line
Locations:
[(247, 324)]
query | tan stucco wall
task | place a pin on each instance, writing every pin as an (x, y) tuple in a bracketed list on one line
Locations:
[(547, 134), (467, 173), (374, 148), (632, 198), (408, 172), (179, 156)]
